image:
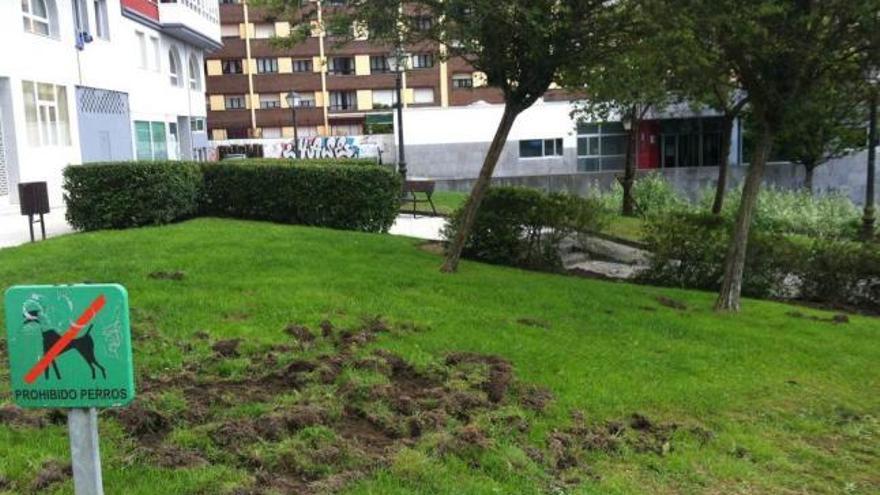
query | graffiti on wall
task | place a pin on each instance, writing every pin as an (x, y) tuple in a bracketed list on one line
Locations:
[(310, 148), (324, 147)]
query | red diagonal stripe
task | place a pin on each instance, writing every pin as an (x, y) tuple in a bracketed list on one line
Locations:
[(90, 312)]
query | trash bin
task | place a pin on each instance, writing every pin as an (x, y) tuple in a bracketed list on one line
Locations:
[(34, 198)]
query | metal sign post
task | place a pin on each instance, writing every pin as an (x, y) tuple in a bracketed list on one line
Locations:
[(70, 347), (85, 453)]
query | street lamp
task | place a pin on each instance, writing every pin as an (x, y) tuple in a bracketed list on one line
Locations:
[(869, 219), (397, 62), (293, 100)]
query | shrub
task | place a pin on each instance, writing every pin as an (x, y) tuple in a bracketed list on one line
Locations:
[(830, 216), (124, 195), (841, 273), (653, 194), (353, 196), (525, 227), (341, 196), (689, 251)]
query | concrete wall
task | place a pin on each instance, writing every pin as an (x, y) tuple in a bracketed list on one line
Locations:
[(846, 175)]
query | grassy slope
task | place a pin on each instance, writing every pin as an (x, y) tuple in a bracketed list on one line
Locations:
[(792, 403)]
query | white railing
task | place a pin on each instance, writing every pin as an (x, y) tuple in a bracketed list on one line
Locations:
[(209, 9)]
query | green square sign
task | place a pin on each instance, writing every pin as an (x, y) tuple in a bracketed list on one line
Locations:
[(69, 346)]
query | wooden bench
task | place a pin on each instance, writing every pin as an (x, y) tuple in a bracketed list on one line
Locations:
[(413, 188)]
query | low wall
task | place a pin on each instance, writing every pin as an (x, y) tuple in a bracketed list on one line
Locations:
[(846, 175)]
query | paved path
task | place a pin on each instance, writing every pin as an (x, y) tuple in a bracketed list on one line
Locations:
[(14, 227), (427, 228)]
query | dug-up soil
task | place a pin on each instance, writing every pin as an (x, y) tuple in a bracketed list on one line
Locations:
[(315, 425)]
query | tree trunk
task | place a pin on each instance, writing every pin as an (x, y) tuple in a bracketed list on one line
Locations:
[(734, 266), (629, 174), (479, 191), (809, 168), (721, 185)]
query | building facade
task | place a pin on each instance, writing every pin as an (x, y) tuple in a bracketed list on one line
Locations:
[(94, 80), (343, 89), (450, 114)]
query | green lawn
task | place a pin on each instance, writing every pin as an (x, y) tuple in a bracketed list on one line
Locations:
[(761, 402)]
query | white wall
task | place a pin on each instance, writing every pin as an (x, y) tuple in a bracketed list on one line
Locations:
[(107, 64), (478, 123)]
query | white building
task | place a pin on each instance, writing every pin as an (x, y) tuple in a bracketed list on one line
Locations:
[(95, 80)]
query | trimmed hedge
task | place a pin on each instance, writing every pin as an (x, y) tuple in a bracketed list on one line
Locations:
[(349, 197), (525, 228), (124, 195), (356, 196)]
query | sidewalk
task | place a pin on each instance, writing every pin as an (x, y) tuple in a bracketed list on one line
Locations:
[(427, 228), (14, 226)]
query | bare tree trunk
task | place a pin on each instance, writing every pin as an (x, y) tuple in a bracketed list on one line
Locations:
[(453, 255), (734, 266), (629, 174), (721, 185), (809, 168)]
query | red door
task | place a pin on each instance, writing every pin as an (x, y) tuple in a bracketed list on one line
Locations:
[(649, 144)]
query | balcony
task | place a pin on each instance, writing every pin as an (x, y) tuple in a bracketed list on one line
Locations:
[(195, 21)]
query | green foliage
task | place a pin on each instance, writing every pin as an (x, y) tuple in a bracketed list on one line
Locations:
[(355, 195), (689, 251), (652, 193), (130, 194), (338, 196), (524, 227), (841, 273), (783, 211)]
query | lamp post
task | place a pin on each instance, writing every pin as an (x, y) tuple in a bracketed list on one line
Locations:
[(869, 218), (293, 101), (397, 63)]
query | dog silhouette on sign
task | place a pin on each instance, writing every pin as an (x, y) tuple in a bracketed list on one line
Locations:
[(84, 345)]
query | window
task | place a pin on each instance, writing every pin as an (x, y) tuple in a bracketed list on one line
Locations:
[(384, 98), (197, 124), (36, 16), (306, 100), (46, 117), (422, 96), (229, 31), (423, 23), (267, 65), (102, 22), (379, 64), (235, 102), (422, 61), (343, 100), (232, 66), (174, 69), (150, 140), (462, 81), (341, 66), (142, 44), (155, 42), (80, 17), (264, 31), (538, 148), (195, 73), (601, 147), (302, 65), (270, 101)]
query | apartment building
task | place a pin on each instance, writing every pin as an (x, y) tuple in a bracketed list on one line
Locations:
[(342, 89), (450, 114), (94, 80)]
